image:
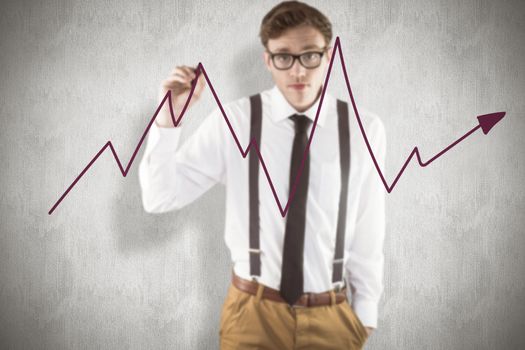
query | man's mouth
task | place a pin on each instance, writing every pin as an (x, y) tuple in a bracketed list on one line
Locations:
[(297, 86)]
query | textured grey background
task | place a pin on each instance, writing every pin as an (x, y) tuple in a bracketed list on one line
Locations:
[(101, 274)]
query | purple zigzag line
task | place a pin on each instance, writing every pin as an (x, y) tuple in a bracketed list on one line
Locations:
[(253, 142)]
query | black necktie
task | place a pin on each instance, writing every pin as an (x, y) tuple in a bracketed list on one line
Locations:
[(292, 265)]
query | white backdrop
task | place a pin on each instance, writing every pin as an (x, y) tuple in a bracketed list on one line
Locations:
[(100, 273)]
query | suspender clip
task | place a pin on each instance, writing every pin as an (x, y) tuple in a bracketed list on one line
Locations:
[(340, 286)]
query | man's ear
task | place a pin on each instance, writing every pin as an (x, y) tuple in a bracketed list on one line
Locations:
[(266, 58)]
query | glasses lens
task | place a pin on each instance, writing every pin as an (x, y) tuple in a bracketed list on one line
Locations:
[(282, 61), (310, 59)]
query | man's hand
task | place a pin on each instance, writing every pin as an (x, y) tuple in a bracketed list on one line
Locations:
[(179, 82)]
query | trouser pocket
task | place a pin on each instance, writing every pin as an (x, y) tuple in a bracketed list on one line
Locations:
[(354, 323), (229, 308)]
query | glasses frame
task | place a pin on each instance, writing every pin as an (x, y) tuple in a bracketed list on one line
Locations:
[(296, 57)]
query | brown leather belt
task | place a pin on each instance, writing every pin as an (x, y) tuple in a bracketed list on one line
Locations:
[(306, 300)]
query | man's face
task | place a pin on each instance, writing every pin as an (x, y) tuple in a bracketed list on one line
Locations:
[(299, 85)]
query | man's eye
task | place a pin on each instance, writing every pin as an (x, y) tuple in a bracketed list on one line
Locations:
[(310, 56), (282, 58)]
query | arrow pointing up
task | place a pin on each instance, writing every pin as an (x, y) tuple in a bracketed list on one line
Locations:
[(487, 121)]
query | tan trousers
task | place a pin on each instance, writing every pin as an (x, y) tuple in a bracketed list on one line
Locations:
[(249, 322)]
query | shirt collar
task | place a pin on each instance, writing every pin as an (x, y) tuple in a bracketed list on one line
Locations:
[(281, 109)]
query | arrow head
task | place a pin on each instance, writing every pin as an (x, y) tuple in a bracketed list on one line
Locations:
[(487, 121)]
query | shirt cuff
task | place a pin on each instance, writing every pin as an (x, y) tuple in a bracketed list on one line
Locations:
[(366, 311), (162, 140)]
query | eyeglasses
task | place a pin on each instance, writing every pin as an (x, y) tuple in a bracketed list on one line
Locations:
[(309, 60)]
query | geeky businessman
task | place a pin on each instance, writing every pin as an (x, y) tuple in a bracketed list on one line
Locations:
[(313, 278)]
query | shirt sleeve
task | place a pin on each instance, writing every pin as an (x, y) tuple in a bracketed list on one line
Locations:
[(173, 176), (365, 263)]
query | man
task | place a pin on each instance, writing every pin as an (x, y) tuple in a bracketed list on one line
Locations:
[(288, 290)]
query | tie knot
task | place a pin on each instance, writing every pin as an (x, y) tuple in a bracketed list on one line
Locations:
[(301, 123)]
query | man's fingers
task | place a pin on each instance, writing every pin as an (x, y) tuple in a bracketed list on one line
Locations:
[(201, 83), (181, 78), (184, 72), (177, 79), (181, 75), (176, 83), (181, 68), (189, 71)]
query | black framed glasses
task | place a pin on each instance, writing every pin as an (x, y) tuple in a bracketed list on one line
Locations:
[(309, 60)]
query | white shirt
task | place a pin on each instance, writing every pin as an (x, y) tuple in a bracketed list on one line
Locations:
[(172, 177)]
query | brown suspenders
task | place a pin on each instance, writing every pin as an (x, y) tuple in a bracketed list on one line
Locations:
[(344, 152), (255, 132)]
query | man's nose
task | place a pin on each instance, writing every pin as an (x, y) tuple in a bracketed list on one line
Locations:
[(297, 69)]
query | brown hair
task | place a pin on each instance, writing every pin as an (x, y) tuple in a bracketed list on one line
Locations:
[(291, 14)]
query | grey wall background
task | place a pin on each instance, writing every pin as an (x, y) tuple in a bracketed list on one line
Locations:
[(99, 273)]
